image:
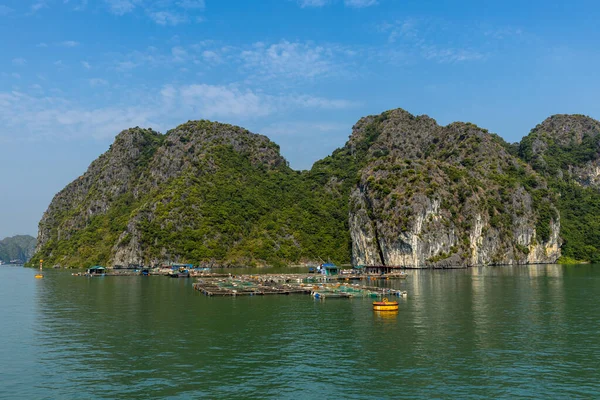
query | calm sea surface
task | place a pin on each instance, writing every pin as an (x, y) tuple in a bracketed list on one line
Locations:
[(504, 332)]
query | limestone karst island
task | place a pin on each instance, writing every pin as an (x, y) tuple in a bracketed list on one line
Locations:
[(403, 191)]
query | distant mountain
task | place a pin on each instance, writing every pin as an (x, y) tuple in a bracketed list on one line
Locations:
[(19, 247), (403, 191)]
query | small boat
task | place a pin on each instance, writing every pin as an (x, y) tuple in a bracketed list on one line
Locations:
[(385, 305), (180, 274)]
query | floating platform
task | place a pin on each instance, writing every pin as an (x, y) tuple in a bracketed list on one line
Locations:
[(261, 285)]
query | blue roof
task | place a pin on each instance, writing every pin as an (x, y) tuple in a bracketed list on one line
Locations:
[(329, 265)]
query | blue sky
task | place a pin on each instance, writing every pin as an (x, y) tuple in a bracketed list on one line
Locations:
[(73, 73)]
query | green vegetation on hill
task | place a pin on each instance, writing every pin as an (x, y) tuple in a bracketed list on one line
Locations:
[(228, 200), (561, 149), (244, 215)]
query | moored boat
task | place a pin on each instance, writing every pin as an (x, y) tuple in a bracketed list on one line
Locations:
[(385, 305), (180, 274)]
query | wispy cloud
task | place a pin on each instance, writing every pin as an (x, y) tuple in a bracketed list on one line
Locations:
[(360, 3), (347, 3), (78, 5), (284, 62), (313, 3), (54, 117), (125, 65), (98, 82), (168, 18), (162, 12), (211, 57), (191, 4), (5, 10), (86, 65), (290, 60), (451, 55), (19, 62), (35, 117), (38, 5), (232, 101), (221, 101), (121, 7), (413, 39), (68, 43)]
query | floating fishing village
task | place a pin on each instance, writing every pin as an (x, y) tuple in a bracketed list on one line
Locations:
[(325, 281)]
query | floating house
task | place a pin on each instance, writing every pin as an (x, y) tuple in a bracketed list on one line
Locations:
[(382, 269), (96, 270), (329, 269)]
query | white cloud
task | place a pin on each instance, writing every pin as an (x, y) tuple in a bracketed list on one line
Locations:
[(53, 117), (19, 61), (347, 3), (167, 18), (94, 82), (162, 12), (312, 3), (5, 10), (86, 65), (41, 45), (121, 7), (211, 57), (126, 65), (212, 101), (403, 29), (68, 43), (503, 33), (35, 7), (360, 3), (179, 54), (191, 4), (307, 101), (36, 116), (412, 39), (81, 5), (222, 101), (451, 55), (290, 60)]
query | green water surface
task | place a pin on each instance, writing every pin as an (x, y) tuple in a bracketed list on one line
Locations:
[(497, 332)]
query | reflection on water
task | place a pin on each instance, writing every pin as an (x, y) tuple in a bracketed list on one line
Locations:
[(480, 332)]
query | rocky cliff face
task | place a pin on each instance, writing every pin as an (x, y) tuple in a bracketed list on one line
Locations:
[(446, 196)]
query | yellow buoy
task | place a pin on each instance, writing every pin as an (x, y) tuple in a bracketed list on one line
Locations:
[(385, 305), (39, 276)]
